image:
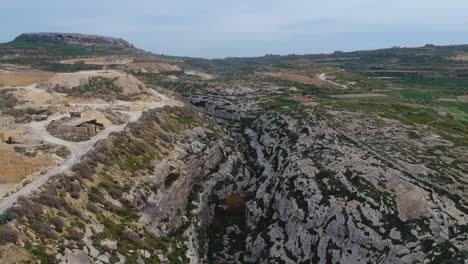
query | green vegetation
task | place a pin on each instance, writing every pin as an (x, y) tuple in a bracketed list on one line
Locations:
[(55, 49), (5, 218), (283, 103), (416, 95), (183, 120), (40, 254), (135, 155), (170, 179), (135, 164), (98, 85), (447, 127), (436, 87)]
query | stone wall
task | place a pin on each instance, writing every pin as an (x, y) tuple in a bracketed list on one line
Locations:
[(72, 133)]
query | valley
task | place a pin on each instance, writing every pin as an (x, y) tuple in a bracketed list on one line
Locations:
[(349, 157)]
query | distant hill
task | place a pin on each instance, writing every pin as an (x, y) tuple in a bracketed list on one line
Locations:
[(76, 39)]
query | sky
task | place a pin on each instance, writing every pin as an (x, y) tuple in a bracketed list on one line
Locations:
[(242, 28)]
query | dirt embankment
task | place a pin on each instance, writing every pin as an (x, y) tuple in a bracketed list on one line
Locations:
[(104, 61), (109, 84), (461, 57), (153, 67)]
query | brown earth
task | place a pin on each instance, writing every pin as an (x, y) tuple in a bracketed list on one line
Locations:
[(23, 78), (13, 254), (461, 57), (153, 67), (300, 79), (16, 167), (111, 60), (127, 82)]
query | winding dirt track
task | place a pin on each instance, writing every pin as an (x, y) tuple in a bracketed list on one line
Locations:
[(77, 149)]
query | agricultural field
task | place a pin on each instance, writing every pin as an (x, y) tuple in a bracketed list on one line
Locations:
[(23, 78)]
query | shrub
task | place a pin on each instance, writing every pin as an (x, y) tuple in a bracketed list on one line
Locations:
[(92, 207), (235, 204), (170, 179), (133, 237), (85, 169), (5, 218), (75, 212), (58, 222), (26, 208), (74, 234), (8, 235), (44, 230), (51, 200), (95, 196), (75, 190)]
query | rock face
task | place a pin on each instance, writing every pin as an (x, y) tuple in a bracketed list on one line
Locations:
[(140, 194), (76, 39), (220, 107), (321, 196)]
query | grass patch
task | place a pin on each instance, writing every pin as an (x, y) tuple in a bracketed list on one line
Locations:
[(417, 95), (58, 49), (5, 218)]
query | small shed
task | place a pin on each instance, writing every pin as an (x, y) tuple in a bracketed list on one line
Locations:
[(82, 126)]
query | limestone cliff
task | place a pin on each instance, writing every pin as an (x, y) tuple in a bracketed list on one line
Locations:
[(76, 39)]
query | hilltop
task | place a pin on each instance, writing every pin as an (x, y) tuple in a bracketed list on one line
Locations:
[(76, 39)]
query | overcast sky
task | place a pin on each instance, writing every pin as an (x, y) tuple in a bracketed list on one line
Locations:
[(221, 28)]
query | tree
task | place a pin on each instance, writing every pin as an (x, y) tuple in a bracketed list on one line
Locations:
[(5, 218)]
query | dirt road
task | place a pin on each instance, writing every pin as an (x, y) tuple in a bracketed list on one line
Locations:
[(323, 77), (77, 149)]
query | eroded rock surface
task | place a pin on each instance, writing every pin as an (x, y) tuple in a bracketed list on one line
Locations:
[(323, 196)]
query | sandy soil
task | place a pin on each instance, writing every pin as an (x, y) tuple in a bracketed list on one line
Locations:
[(153, 67), (15, 167), (129, 84), (23, 78), (14, 254), (30, 96), (204, 76), (5, 188), (461, 57), (111, 60)]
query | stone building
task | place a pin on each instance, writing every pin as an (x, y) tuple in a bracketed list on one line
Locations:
[(80, 128)]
